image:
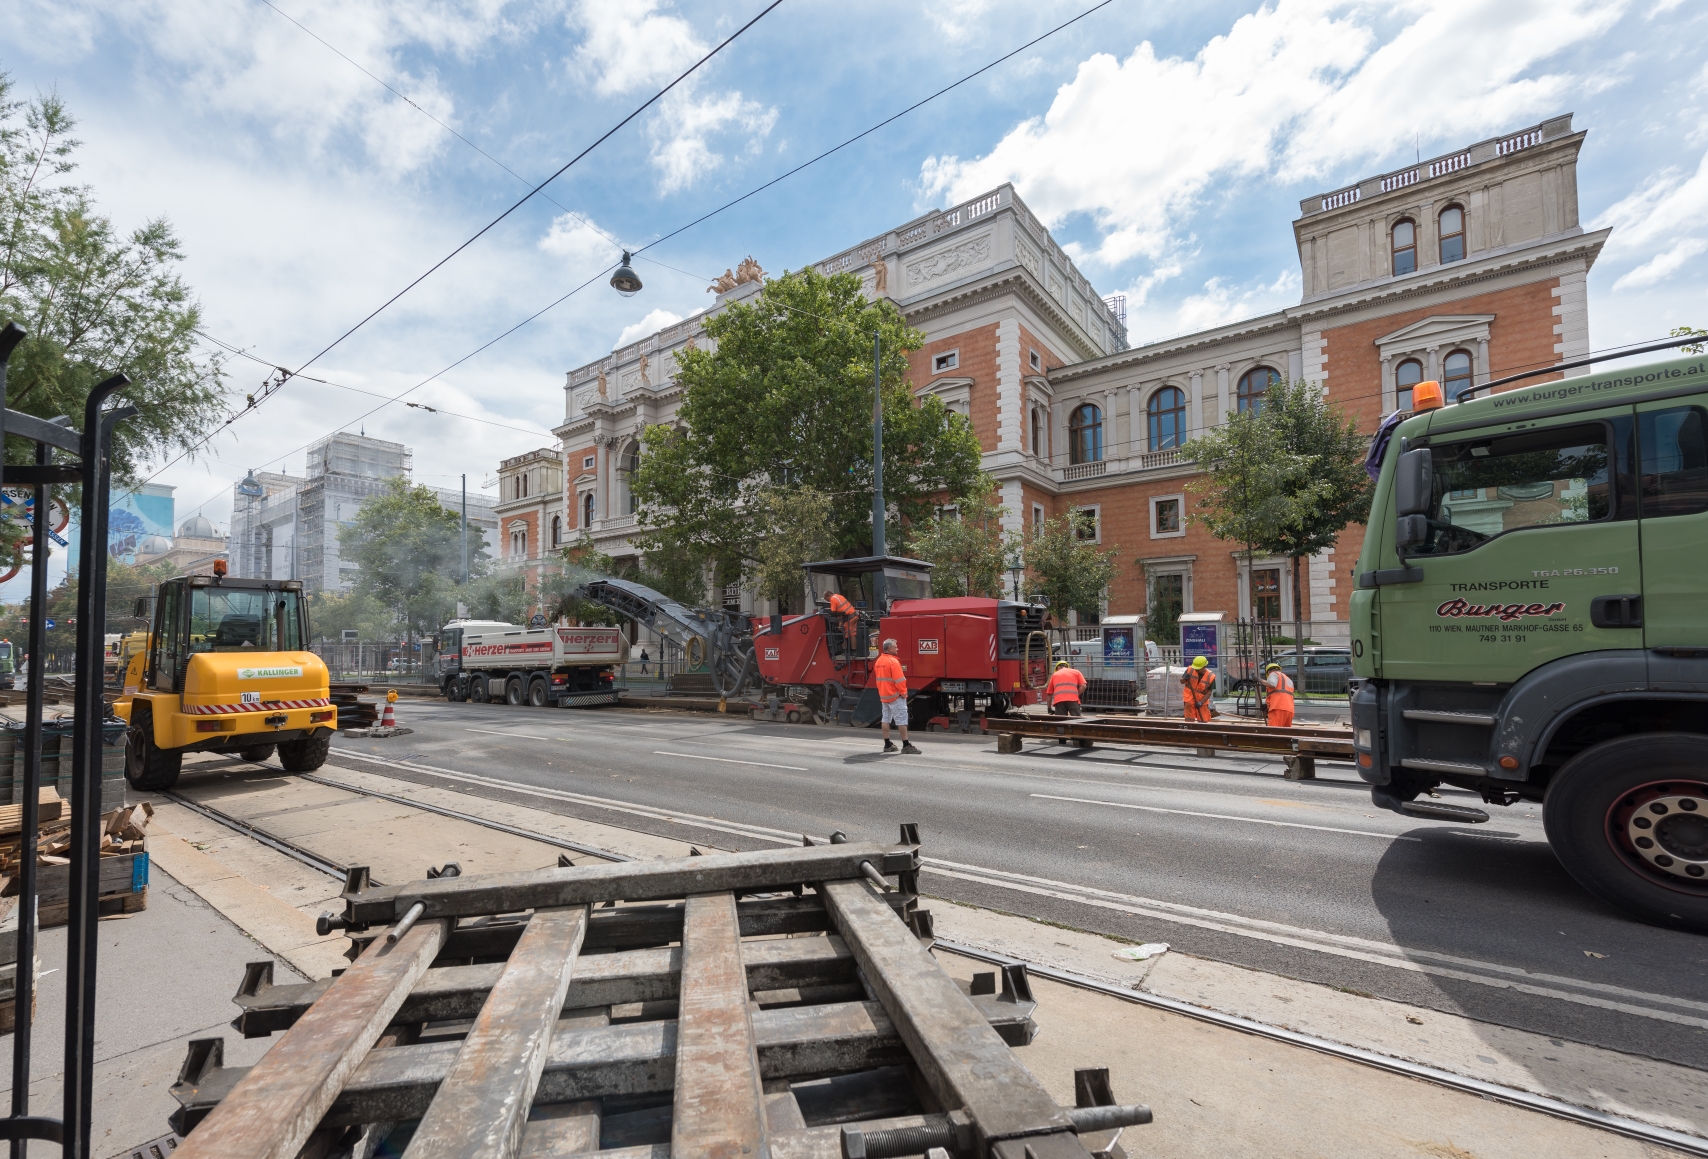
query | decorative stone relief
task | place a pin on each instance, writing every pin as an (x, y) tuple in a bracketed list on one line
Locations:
[(1027, 255), (1056, 290), (585, 399), (631, 380), (970, 253)]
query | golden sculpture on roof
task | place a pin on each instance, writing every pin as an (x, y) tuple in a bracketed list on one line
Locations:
[(747, 271)]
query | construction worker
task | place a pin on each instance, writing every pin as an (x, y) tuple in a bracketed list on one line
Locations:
[(1062, 692), (1278, 696), (1199, 683), (847, 616), (892, 691)]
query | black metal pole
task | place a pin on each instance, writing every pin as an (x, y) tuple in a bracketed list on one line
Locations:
[(30, 800), (879, 546), (86, 738)]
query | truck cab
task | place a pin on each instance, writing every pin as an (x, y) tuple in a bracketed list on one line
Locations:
[(226, 669), (1529, 623)]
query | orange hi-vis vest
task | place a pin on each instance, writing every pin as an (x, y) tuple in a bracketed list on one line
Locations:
[(892, 681), (1280, 690), (1065, 684), (1198, 683)]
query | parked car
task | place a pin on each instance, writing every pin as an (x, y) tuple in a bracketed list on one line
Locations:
[(1327, 670)]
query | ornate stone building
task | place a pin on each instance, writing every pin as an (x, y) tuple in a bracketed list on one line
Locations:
[(532, 521), (1461, 268)]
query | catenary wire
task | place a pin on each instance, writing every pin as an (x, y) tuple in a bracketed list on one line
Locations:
[(652, 100), (704, 217)]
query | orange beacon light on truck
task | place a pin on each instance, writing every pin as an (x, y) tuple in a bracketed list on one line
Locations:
[(1426, 396)]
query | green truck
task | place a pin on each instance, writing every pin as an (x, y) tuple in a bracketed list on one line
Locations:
[(1530, 623)]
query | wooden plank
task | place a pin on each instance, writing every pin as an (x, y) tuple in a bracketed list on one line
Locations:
[(273, 1109), (629, 1059), (451, 993), (719, 1106), (635, 881), (962, 1059), (483, 1104), (48, 808), (126, 873)]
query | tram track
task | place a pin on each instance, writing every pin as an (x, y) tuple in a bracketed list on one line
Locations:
[(1557, 1108)]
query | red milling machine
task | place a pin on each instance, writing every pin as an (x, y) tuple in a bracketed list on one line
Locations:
[(964, 657)]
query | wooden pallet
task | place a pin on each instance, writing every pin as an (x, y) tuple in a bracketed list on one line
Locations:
[(128, 901), (773, 1005)]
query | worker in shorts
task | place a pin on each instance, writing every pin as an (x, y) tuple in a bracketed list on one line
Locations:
[(1064, 689), (892, 691)]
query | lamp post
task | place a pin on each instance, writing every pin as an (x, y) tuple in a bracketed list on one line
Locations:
[(1016, 569)]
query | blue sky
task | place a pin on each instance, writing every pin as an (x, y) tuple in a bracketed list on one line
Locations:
[(1167, 145)]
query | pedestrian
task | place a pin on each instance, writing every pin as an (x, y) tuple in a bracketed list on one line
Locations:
[(643, 661), (1199, 683), (1066, 683), (892, 691), (1278, 699)]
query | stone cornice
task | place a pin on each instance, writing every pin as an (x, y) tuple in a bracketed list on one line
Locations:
[(1134, 355), (1009, 279)]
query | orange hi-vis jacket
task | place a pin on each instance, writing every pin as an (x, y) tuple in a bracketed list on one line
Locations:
[(1065, 684), (1280, 693), (892, 681), (840, 607), (1198, 682)]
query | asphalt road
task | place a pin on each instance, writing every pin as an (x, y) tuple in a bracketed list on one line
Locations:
[(1219, 857)]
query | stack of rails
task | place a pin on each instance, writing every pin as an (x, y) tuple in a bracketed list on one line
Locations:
[(780, 1004)]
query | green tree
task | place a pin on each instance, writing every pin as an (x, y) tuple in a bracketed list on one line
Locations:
[(799, 532), (1285, 479), (331, 614), (782, 405), (577, 563), (966, 547), (409, 547), (1069, 573), (94, 300), (1688, 332)]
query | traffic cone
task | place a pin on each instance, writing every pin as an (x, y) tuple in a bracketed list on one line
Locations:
[(388, 720)]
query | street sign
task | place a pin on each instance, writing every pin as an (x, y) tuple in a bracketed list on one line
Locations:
[(50, 625), (538, 621)]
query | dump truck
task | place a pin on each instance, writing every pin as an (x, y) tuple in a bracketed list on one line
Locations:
[(563, 667), (226, 669), (1530, 623)]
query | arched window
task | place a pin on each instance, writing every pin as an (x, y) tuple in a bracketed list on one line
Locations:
[(1456, 373), (628, 465), (522, 486), (1452, 234), (1253, 385), (1085, 434), (1166, 414), (557, 531), (1405, 247), (1037, 431), (587, 511), (1407, 375)]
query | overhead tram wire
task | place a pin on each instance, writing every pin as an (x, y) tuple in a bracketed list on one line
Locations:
[(697, 221), (654, 99)]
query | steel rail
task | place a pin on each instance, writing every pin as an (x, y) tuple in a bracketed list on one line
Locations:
[(313, 860), (512, 830), (1324, 744), (1619, 1125)]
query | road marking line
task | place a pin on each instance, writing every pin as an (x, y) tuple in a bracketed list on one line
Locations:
[(727, 761), (1339, 945), (1230, 817), (517, 735)]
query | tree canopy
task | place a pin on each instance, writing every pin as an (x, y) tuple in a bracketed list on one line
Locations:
[(409, 548), (966, 547), (1068, 571), (776, 418), (95, 300)]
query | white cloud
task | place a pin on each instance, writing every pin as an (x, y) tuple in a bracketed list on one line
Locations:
[(633, 48), (1661, 225), (1292, 91), (578, 241), (653, 322), (1218, 303)]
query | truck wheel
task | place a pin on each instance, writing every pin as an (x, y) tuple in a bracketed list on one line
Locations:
[(256, 753), (537, 692), (305, 756), (513, 692), (147, 766), (477, 688), (1628, 818)]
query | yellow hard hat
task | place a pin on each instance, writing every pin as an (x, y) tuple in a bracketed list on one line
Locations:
[(1273, 668), (1200, 662), (1061, 663)]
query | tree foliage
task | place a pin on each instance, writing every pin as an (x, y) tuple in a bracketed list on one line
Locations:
[(409, 548), (779, 408), (800, 531), (1285, 479), (96, 301), (1068, 571), (966, 547)]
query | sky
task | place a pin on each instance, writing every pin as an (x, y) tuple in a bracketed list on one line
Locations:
[(317, 156)]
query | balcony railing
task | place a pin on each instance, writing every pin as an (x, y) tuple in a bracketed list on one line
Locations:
[(1074, 471)]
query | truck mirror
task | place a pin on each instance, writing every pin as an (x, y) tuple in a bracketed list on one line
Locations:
[(1414, 478), (141, 610), (1409, 531)]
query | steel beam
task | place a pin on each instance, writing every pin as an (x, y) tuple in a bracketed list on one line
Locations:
[(482, 1106), (397, 1083), (718, 1110), (278, 1102), (497, 893), (1326, 743), (962, 1059)]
